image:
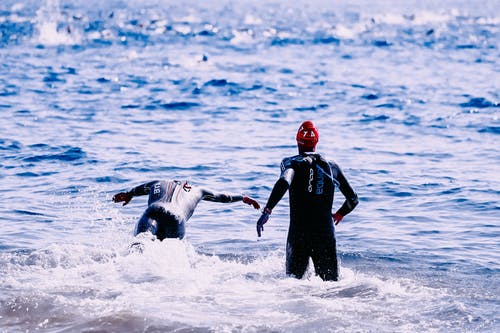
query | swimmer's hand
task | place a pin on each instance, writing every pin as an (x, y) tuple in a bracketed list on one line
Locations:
[(124, 197), (262, 220), (250, 201), (337, 218)]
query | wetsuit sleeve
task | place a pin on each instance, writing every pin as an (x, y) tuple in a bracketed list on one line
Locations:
[(220, 197), (351, 198), (143, 189), (279, 190), (282, 185)]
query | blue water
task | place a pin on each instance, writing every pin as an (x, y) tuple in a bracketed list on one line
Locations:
[(99, 96)]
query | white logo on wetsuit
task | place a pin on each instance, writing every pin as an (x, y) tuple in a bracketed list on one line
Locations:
[(157, 189)]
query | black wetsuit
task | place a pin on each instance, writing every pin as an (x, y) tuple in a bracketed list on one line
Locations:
[(312, 181), (171, 204)]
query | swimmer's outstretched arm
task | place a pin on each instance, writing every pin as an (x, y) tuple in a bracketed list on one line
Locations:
[(279, 190), (125, 197), (226, 198)]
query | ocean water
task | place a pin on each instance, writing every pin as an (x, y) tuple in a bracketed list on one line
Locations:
[(99, 96)]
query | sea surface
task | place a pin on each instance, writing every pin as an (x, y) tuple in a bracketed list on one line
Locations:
[(97, 97)]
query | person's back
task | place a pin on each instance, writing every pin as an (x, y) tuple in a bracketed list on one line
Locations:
[(180, 198), (311, 191)]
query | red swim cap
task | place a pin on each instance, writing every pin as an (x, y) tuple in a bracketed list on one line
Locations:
[(308, 135)]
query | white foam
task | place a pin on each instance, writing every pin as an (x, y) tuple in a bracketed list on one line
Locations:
[(431, 17), (170, 280), (252, 20), (242, 36), (344, 32), (52, 30)]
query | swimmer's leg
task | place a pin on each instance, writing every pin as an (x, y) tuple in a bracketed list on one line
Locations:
[(161, 223), (324, 257), (146, 223), (297, 259), (170, 227)]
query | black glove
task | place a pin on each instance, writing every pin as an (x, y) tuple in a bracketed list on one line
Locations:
[(124, 197), (262, 220)]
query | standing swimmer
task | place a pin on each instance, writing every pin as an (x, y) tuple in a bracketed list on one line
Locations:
[(171, 203), (311, 180)]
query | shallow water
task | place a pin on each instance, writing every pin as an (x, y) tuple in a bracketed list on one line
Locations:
[(97, 98)]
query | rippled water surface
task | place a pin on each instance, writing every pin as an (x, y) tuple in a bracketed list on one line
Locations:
[(97, 97)]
